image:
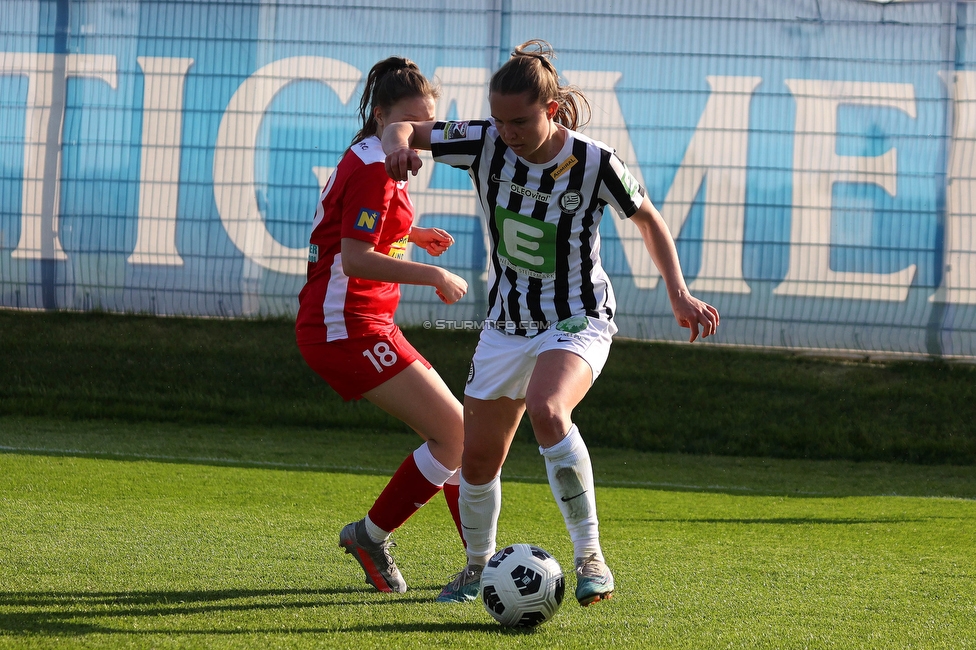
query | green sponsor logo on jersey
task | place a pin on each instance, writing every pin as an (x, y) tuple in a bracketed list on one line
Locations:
[(630, 183), (526, 245), (573, 324)]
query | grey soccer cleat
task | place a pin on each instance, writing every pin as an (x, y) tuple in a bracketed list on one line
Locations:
[(381, 570), (594, 582), (465, 586)]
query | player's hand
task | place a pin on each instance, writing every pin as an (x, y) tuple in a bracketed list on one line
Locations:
[(401, 162), (451, 288), (694, 313), (434, 240)]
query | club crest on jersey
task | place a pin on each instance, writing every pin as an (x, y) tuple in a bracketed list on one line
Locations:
[(455, 130), (570, 201), (368, 220)]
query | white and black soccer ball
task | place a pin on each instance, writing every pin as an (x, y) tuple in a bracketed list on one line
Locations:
[(522, 586)]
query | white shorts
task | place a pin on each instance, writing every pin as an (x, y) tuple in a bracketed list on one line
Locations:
[(503, 363)]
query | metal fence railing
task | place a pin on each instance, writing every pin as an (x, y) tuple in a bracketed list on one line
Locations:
[(816, 161)]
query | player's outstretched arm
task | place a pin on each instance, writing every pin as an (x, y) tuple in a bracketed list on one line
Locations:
[(689, 311), (400, 143), (360, 260)]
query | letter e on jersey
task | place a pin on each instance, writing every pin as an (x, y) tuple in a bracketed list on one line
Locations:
[(528, 245)]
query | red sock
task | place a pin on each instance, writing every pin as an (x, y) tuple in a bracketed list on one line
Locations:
[(451, 494), (404, 495)]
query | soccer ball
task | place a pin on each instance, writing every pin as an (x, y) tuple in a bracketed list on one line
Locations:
[(522, 586)]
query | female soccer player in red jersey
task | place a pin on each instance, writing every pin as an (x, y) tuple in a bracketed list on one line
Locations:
[(345, 327), (543, 188)]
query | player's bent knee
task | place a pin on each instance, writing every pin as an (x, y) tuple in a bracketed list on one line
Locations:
[(478, 471), (547, 418)]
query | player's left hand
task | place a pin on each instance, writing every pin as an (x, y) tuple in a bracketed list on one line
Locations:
[(694, 313), (434, 240)]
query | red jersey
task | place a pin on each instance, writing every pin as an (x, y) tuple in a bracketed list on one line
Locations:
[(360, 201)]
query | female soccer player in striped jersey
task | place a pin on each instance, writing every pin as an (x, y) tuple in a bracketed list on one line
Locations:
[(345, 328), (542, 187)]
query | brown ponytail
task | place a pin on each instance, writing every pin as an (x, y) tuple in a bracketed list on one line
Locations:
[(388, 82), (530, 70)]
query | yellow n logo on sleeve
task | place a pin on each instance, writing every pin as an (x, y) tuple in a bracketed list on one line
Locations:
[(368, 220)]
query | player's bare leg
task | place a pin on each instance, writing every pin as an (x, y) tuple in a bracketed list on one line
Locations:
[(558, 384), (419, 397), (489, 428)]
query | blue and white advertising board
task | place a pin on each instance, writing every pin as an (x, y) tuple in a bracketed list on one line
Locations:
[(815, 161)]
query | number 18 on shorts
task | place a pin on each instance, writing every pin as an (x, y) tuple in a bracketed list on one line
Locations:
[(381, 356), (355, 366)]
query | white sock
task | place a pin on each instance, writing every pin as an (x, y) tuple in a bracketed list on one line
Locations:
[(430, 467), (480, 506), (571, 481), (375, 533)]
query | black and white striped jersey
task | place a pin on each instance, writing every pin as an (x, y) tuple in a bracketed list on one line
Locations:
[(543, 221)]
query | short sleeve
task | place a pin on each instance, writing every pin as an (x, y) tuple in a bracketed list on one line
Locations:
[(365, 203), (619, 188), (458, 144)]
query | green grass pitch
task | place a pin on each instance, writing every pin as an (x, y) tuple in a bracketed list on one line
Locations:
[(171, 536)]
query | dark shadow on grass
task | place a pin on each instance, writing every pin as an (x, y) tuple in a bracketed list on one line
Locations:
[(45, 598), (78, 630), (788, 521), (241, 463), (75, 613), (399, 628), (514, 475)]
